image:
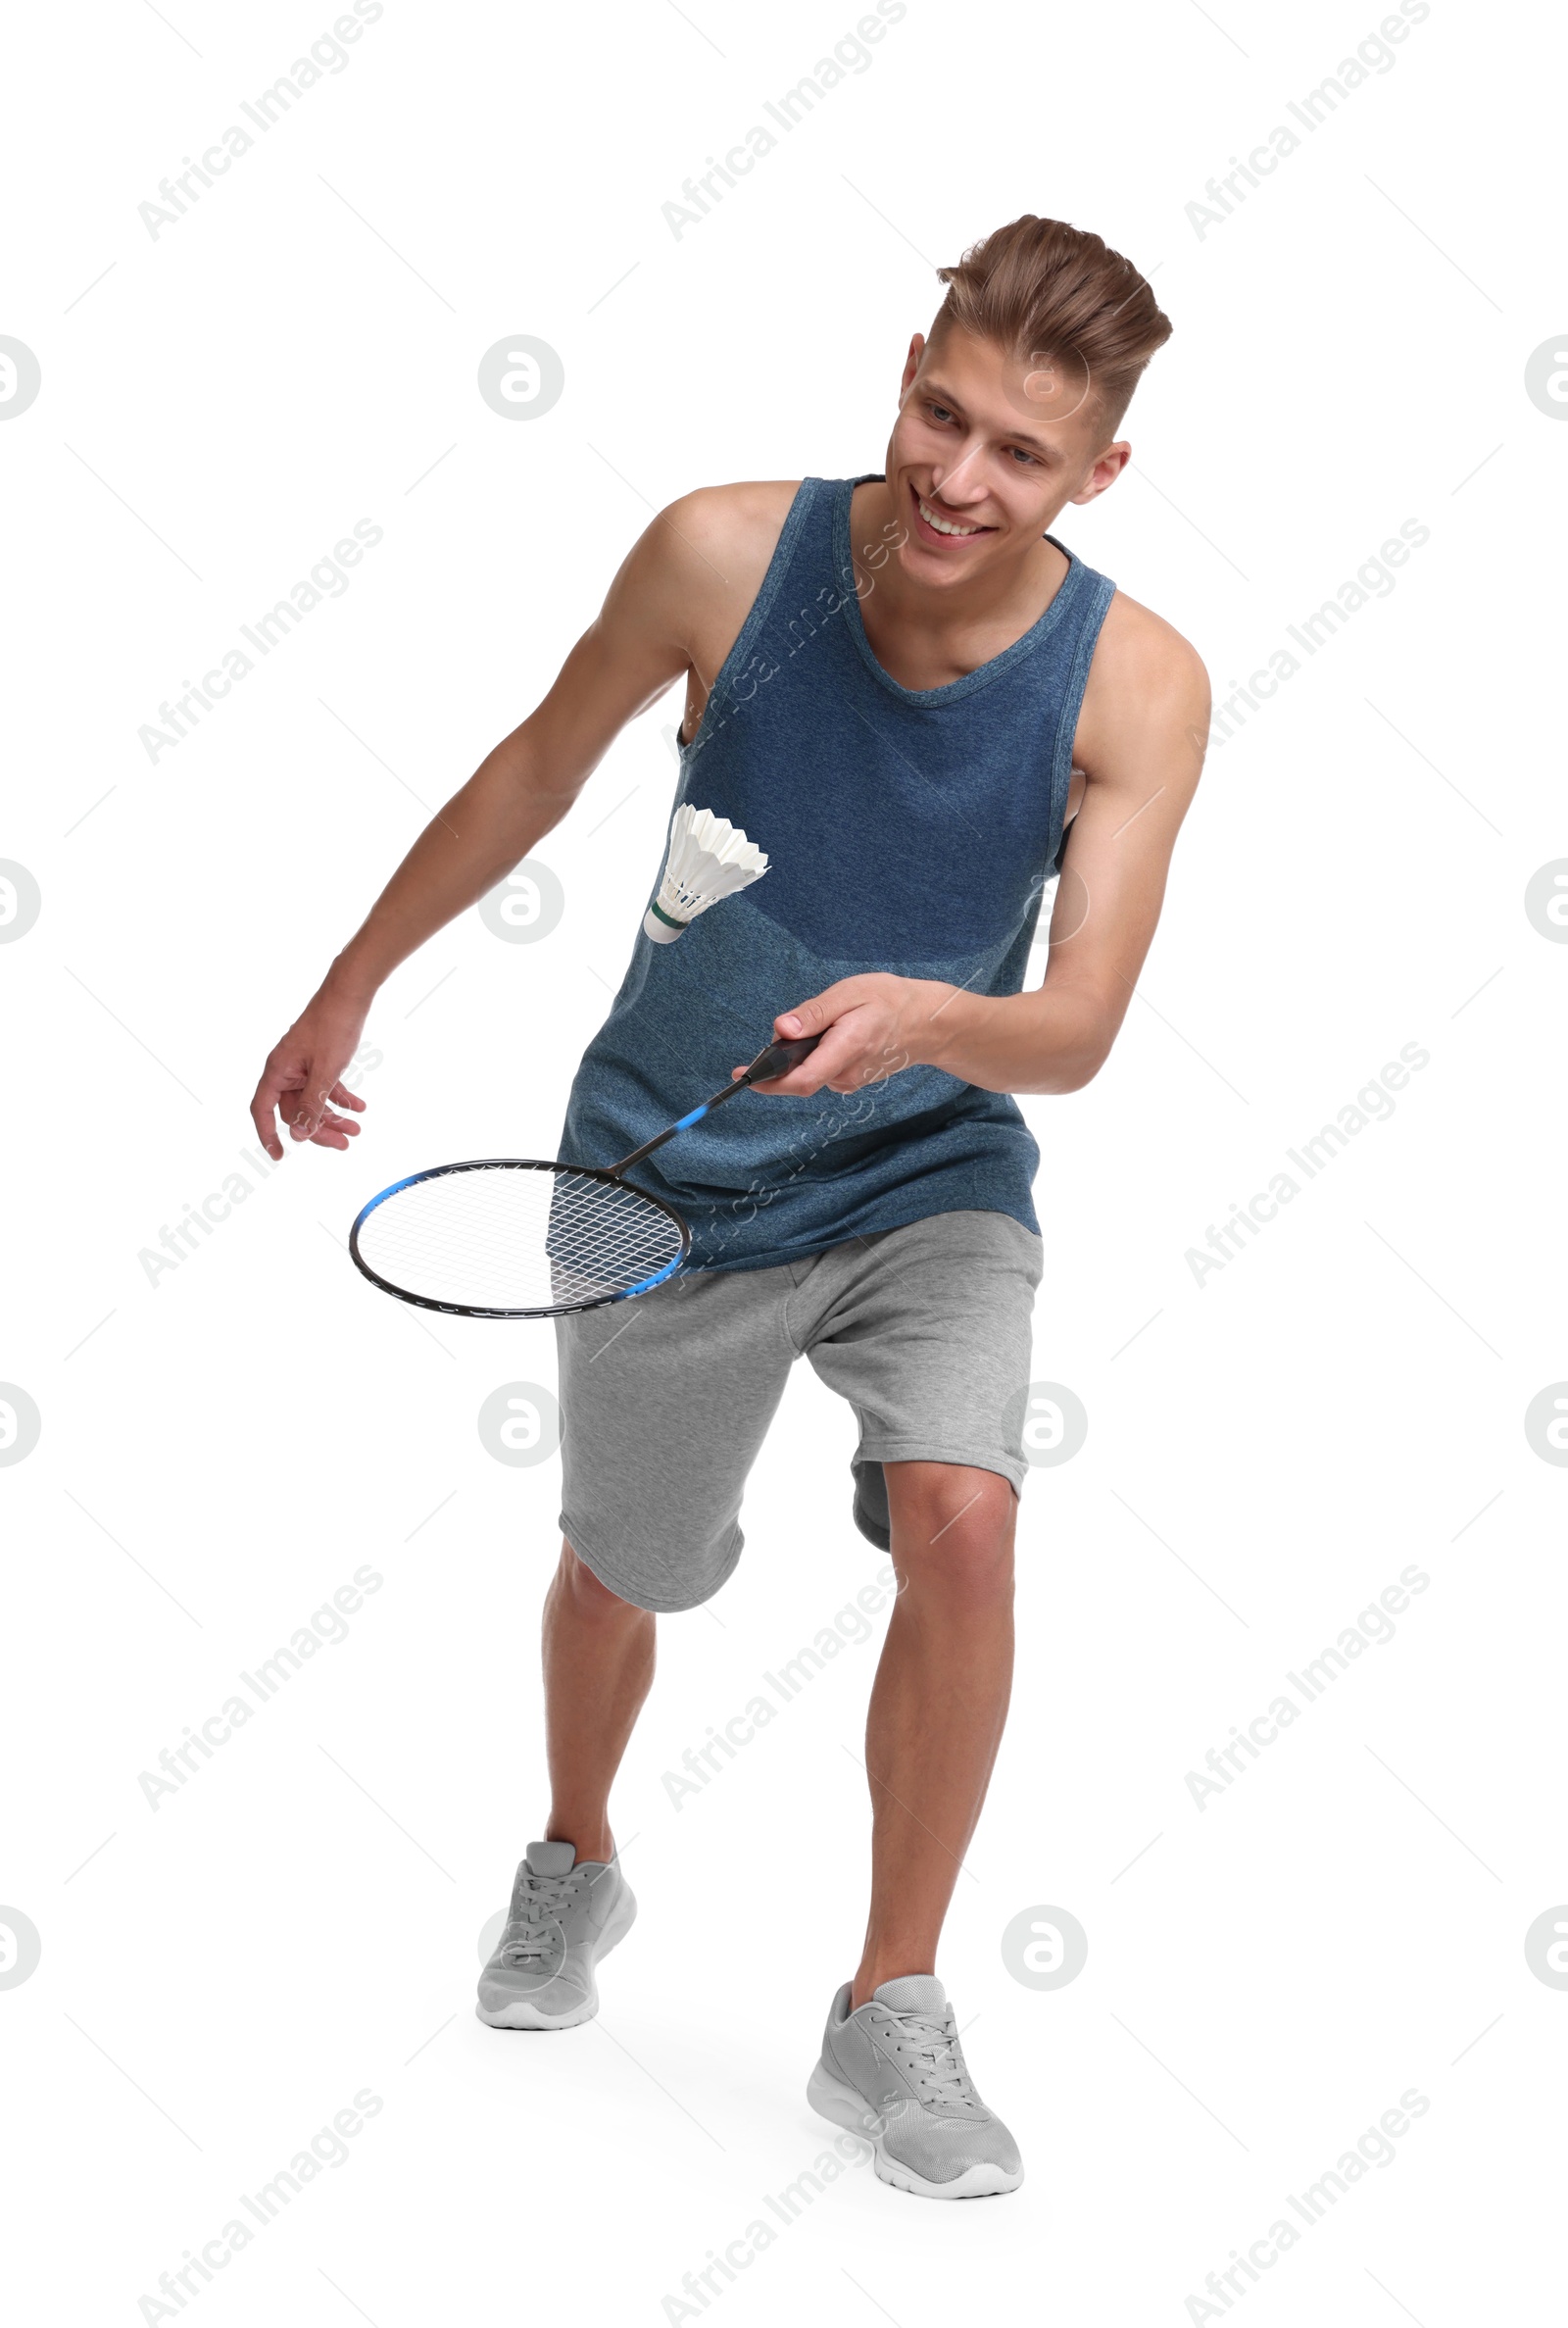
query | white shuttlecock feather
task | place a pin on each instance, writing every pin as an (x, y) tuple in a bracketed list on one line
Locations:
[(708, 859)]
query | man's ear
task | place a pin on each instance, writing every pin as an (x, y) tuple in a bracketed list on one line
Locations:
[(1108, 467), (911, 364)]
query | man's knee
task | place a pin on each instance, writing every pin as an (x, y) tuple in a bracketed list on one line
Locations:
[(952, 1530)]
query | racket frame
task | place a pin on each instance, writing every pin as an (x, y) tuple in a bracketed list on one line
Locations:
[(516, 1164), (777, 1059)]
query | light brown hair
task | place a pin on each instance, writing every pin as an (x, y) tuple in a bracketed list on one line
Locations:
[(1042, 288)]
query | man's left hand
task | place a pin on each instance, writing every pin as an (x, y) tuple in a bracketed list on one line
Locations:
[(871, 1028)]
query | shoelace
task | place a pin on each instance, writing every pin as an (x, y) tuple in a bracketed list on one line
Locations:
[(536, 1904), (928, 2048)]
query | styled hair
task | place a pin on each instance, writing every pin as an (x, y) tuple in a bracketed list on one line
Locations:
[(1042, 288)]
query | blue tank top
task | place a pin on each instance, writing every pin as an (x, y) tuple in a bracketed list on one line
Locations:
[(906, 829)]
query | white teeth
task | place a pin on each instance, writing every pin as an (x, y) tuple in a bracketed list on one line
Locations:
[(941, 524)]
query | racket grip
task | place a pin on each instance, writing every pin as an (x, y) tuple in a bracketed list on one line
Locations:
[(779, 1058)]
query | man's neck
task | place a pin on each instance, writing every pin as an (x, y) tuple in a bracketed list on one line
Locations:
[(1010, 596)]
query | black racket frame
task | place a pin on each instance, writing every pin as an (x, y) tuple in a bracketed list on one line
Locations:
[(777, 1059)]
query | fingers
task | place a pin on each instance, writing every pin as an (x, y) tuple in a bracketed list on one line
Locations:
[(857, 1051), (834, 1057), (857, 1044), (819, 1011), (797, 1083), (262, 1104), (792, 1082), (811, 1017), (308, 1115), (334, 1132), (267, 1097), (322, 1127)]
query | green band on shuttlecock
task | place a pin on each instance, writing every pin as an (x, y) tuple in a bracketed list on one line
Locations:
[(667, 918)]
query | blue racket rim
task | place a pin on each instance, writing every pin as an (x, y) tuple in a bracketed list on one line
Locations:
[(518, 1164)]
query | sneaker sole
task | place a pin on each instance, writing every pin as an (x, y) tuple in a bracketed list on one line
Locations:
[(843, 2107), (521, 2014)]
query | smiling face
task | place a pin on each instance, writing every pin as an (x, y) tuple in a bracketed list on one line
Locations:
[(986, 451)]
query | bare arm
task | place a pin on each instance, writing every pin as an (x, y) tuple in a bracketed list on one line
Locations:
[(1140, 740), (621, 665)]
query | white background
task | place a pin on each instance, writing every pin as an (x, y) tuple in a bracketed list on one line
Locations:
[(222, 1448)]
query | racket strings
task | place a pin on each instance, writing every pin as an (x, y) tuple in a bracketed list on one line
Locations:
[(501, 1236)]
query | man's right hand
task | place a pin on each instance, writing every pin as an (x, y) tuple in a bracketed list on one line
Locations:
[(302, 1080)]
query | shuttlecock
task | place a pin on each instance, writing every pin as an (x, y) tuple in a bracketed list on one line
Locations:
[(708, 859)]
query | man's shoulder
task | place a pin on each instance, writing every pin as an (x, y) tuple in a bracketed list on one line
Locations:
[(745, 518), (1147, 695), (705, 554), (1137, 648)]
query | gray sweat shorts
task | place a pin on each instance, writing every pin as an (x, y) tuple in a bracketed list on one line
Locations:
[(665, 1400)]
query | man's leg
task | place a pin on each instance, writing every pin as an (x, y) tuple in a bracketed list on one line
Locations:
[(938, 1704), (570, 1902), (656, 1497), (659, 1501), (925, 1329), (598, 1668)]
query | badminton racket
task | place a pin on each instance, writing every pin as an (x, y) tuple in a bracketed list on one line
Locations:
[(506, 1236)]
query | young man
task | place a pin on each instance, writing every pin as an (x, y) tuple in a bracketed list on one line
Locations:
[(904, 690)]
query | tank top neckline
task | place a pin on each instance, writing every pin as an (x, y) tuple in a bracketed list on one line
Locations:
[(984, 672)]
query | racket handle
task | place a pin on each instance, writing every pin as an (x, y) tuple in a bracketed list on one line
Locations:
[(779, 1058)]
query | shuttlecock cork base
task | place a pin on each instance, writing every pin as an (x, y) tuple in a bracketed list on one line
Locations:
[(708, 859)]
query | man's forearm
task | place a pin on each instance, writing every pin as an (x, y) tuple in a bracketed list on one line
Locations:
[(502, 810), (1052, 1039)]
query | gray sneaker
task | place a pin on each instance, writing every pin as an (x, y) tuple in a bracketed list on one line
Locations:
[(563, 1918), (895, 2073)]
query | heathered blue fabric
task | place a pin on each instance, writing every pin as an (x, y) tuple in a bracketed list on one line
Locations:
[(909, 830)]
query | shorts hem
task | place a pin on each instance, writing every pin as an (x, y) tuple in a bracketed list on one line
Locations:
[(638, 1596), (929, 1450)]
